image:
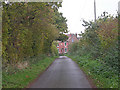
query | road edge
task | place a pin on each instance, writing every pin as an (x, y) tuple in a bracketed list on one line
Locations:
[(33, 81), (90, 80)]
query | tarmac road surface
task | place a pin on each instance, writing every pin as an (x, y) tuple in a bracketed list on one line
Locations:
[(63, 73)]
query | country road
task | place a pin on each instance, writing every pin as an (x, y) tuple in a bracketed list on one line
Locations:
[(63, 73)]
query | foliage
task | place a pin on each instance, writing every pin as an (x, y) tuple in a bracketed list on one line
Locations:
[(62, 37), (54, 49), (100, 41), (103, 75), (60, 22), (28, 30)]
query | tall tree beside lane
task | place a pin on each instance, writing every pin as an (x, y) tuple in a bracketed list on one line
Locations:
[(29, 30)]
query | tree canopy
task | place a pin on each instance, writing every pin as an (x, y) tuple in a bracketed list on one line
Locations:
[(100, 40), (29, 29)]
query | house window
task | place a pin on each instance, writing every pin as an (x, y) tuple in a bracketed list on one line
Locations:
[(58, 50), (65, 43), (65, 49)]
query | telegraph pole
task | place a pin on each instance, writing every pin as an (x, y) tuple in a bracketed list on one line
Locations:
[(95, 10), (119, 8)]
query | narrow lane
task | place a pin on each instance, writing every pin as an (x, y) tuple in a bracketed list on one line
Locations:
[(63, 73)]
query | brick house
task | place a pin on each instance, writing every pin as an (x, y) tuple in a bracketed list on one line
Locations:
[(63, 46)]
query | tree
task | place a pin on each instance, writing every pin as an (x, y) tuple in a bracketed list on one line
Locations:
[(62, 37), (29, 29)]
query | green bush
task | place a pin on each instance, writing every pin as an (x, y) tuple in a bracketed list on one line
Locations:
[(54, 49), (99, 42), (104, 76)]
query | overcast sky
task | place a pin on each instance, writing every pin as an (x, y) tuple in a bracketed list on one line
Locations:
[(76, 10)]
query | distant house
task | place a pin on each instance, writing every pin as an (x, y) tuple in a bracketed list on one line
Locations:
[(63, 46)]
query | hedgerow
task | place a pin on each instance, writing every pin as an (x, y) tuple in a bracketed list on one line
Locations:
[(100, 42)]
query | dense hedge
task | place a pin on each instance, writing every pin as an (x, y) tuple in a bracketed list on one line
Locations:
[(101, 75), (100, 40), (97, 51), (29, 29)]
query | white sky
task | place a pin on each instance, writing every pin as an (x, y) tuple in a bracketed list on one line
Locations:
[(76, 10)]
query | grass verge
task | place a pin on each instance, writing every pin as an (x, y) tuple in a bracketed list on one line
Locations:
[(102, 75), (23, 77)]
